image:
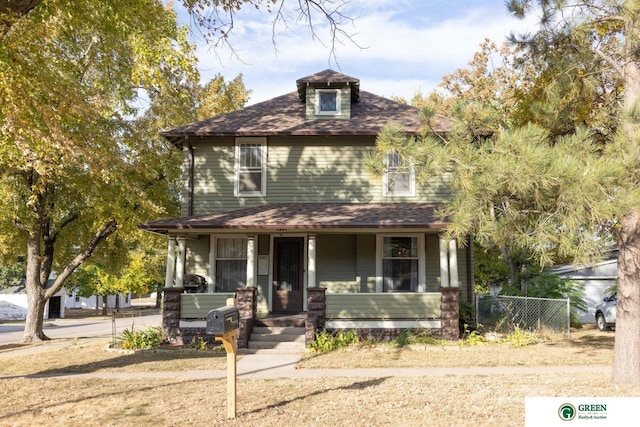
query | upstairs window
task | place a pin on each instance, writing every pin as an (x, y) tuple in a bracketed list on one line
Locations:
[(251, 168), (328, 102), (398, 178)]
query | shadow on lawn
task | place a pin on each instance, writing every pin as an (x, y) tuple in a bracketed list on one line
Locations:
[(146, 356), (359, 385)]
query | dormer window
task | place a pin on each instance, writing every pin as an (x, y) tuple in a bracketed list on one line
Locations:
[(328, 102)]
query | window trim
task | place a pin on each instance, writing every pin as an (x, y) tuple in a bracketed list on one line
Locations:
[(385, 180), (337, 111), (213, 257), (239, 142), (422, 270)]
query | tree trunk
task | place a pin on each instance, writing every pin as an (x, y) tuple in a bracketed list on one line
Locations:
[(105, 299), (36, 299), (626, 359)]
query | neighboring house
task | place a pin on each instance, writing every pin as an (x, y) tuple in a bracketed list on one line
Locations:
[(74, 300), (278, 204), (598, 280), (13, 304)]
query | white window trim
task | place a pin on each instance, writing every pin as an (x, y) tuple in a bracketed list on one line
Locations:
[(422, 269), (385, 183), (338, 109), (213, 251), (236, 173)]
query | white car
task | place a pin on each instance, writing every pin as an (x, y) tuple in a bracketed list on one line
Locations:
[(606, 313)]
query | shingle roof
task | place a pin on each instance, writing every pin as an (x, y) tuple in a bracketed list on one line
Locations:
[(285, 115), (309, 216)]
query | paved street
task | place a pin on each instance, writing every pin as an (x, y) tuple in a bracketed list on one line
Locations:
[(79, 328)]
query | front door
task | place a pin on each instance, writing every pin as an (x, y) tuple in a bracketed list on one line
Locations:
[(288, 269)]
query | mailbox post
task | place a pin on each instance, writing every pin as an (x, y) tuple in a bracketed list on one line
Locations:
[(224, 323)]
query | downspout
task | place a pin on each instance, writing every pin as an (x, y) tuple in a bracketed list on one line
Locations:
[(190, 172)]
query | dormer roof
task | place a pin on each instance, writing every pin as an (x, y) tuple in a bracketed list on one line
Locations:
[(328, 79)]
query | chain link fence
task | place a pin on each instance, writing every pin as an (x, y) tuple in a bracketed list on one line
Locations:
[(504, 313)]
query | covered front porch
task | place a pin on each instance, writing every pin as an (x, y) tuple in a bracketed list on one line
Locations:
[(378, 269)]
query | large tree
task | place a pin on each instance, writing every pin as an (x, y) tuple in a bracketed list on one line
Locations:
[(611, 30), (73, 169), (560, 177)]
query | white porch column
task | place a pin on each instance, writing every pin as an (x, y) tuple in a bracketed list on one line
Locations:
[(453, 264), (182, 252), (311, 261), (171, 263), (251, 261), (444, 264)]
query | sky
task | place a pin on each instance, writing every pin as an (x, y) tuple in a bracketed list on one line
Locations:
[(399, 48)]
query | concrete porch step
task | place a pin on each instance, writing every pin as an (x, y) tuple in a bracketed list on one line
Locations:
[(277, 330), (277, 339), (277, 345)]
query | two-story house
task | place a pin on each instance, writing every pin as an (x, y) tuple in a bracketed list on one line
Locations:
[(278, 202)]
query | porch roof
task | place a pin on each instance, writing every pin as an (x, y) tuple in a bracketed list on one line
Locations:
[(308, 216)]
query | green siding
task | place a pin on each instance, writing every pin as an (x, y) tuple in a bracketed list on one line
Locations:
[(299, 169), (196, 306), (345, 105), (336, 262), (432, 249), (197, 256), (366, 262), (383, 306)]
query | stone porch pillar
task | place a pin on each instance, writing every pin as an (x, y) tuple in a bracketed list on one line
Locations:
[(316, 312), (247, 303), (450, 290), (450, 315), (171, 314)]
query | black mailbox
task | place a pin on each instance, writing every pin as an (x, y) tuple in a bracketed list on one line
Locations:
[(223, 320)]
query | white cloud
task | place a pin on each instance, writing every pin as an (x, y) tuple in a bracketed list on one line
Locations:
[(409, 47)]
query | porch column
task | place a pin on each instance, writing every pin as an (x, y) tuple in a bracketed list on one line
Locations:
[(251, 262), (171, 263), (444, 264), (311, 262), (453, 264), (180, 262)]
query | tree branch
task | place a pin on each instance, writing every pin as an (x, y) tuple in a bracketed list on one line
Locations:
[(107, 229)]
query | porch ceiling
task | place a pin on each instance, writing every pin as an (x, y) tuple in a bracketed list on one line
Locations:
[(309, 216)]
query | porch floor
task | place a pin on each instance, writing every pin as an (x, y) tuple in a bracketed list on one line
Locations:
[(281, 320)]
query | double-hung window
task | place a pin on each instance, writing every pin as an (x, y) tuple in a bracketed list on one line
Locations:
[(399, 177), (328, 102), (251, 167), (230, 263), (400, 263)]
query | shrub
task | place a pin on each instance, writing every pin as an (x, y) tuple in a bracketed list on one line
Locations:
[(132, 339), (325, 341), (409, 337)]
